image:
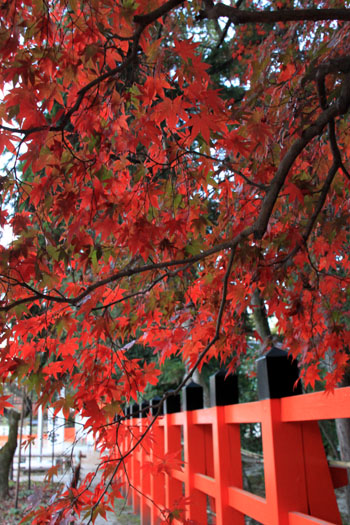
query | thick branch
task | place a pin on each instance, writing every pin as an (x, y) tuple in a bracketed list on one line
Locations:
[(145, 20), (338, 108), (237, 16)]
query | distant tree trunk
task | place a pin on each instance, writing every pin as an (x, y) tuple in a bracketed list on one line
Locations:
[(260, 317), (7, 452), (198, 378)]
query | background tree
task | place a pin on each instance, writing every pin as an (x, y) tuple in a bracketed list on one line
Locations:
[(14, 416), (7, 452), (171, 180)]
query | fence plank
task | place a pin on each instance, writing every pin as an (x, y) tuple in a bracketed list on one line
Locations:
[(194, 456), (316, 406), (227, 467), (250, 505), (297, 518), (285, 483), (157, 480), (172, 445), (321, 497)]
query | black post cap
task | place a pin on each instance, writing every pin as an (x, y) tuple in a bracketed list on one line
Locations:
[(277, 374), (135, 410), (154, 403), (192, 396), (223, 389), (144, 408), (173, 404)]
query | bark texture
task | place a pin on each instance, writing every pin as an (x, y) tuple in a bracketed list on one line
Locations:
[(198, 378), (260, 317), (7, 452)]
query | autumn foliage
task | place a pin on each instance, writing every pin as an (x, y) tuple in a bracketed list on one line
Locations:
[(148, 201)]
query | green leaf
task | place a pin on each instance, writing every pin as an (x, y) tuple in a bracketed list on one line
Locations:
[(195, 247), (53, 252)]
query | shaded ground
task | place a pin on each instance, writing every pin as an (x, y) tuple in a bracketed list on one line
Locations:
[(10, 516), (39, 490), (41, 493), (124, 515)]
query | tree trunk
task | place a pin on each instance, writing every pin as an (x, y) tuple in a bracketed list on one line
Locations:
[(260, 317), (198, 378), (7, 452)]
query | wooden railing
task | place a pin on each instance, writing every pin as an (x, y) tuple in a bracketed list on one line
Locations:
[(202, 469)]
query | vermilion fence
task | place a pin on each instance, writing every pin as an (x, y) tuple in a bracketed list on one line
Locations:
[(69, 434), (203, 467)]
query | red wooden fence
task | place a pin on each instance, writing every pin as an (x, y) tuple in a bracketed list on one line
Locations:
[(299, 484)]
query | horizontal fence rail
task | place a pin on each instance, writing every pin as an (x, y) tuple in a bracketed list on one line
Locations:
[(191, 459)]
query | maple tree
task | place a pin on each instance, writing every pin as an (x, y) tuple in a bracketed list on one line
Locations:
[(152, 203)]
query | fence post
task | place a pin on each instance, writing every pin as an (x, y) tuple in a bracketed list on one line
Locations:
[(144, 409), (287, 481), (154, 406), (172, 448), (134, 457), (277, 375), (194, 453), (223, 389), (173, 404), (128, 464), (285, 484), (157, 481), (144, 456), (192, 396), (134, 410), (226, 446), (122, 446)]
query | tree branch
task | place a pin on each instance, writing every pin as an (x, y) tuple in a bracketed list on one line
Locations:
[(237, 16), (145, 20), (128, 272), (325, 189), (339, 107), (145, 290), (142, 21)]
